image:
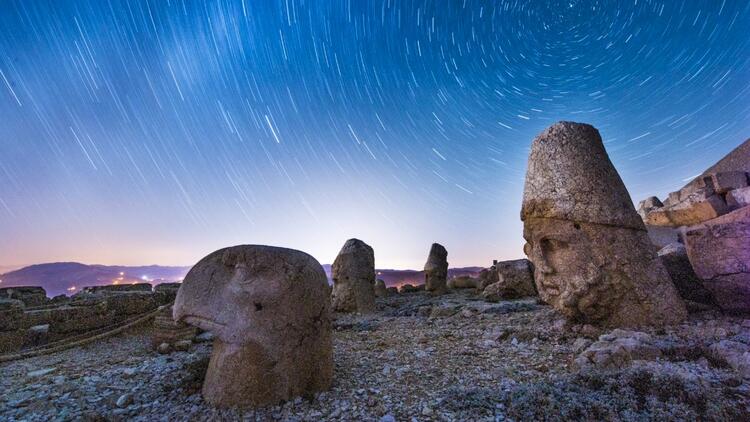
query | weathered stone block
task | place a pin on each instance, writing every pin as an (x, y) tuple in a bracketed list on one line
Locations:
[(29, 295), (11, 341), (11, 313), (738, 198), (719, 251), (662, 236), (693, 209), (724, 182), (688, 284)]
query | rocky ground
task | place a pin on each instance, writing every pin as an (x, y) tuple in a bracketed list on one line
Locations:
[(420, 358)]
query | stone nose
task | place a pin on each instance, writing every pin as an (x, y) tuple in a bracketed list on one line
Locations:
[(540, 258)]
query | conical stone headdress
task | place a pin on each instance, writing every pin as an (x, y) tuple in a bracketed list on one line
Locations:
[(570, 177)]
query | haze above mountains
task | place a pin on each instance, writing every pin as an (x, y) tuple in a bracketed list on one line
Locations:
[(69, 277)]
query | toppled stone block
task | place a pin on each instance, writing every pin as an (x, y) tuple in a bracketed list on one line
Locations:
[(515, 280), (37, 335), (617, 350), (29, 295), (738, 198), (693, 209), (724, 182), (662, 236), (486, 277), (166, 292), (719, 252), (688, 284), (647, 205)]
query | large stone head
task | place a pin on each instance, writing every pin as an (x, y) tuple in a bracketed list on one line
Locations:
[(253, 293), (583, 234)]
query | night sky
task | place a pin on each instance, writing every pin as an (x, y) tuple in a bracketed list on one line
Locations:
[(138, 132)]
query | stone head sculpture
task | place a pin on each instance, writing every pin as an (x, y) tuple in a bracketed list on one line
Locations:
[(268, 308), (591, 253), (353, 273), (436, 269)]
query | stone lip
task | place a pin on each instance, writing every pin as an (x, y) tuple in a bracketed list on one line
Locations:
[(570, 177)]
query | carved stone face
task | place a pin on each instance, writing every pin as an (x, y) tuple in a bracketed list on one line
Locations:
[(568, 269), (269, 309)]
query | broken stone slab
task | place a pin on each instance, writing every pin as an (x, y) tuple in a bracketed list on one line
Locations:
[(688, 284), (647, 205), (29, 295), (11, 312), (515, 279), (719, 252), (738, 198), (662, 236), (693, 209), (724, 182)]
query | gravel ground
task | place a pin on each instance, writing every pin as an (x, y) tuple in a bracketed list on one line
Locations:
[(418, 359)]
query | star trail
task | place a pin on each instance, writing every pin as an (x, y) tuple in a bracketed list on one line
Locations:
[(137, 132)]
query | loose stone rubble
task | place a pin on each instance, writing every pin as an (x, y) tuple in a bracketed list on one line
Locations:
[(592, 255), (436, 270), (353, 273), (511, 360), (269, 309)]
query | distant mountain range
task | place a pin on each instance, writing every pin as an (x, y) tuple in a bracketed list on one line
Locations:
[(69, 277)]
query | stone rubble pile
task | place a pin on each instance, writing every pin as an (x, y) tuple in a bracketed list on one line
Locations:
[(711, 217)]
